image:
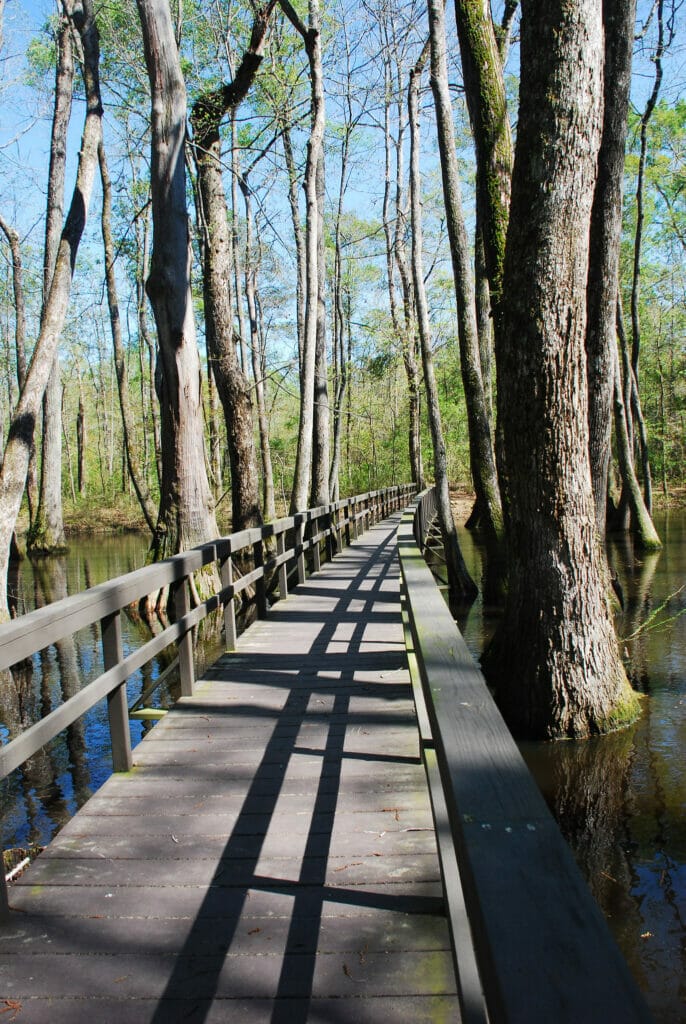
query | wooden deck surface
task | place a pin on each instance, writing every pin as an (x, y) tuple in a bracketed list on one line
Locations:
[(271, 857)]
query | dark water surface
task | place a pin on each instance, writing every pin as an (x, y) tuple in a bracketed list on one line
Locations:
[(620, 800)]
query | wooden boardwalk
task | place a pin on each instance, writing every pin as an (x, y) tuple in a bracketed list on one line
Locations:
[(271, 856)]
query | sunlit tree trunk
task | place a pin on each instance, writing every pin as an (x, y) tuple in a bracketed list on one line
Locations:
[(46, 533), (186, 512), (256, 349), (232, 381), (554, 661), (606, 227), (395, 221), (482, 455), (319, 494), (459, 580), (18, 448), (313, 47), (135, 470)]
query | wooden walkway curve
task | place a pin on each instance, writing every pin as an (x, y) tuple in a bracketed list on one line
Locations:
[(271, 856)]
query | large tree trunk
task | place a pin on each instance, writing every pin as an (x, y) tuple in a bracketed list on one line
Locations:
[(481, 451), (18, 448), (606, 227), (460, 582), (46, 533), (554, 661), (136, 473), (186, 512), (232, 382), (313, 47)]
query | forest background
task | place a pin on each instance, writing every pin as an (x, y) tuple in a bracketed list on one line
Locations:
[(368, 52)]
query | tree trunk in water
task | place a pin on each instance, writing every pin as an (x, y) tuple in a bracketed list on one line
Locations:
[(395, 256), (554, 661), (606, 227), (641, 520), (460, 582), (256, 349), (634, 409), (81, 446), (481, 451), (186, 512), (313, 47), (319, 494), (300, 258), (140, 484), (18, 448), (20, 347), (46, 533), (232, 382)]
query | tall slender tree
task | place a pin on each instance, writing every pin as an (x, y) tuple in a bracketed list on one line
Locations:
[(481, 450), (232, 382), (313, 47), (459, 580), (22, 425), (46, 533)]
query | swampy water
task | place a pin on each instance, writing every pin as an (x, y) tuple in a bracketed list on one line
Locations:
[(620, 800)]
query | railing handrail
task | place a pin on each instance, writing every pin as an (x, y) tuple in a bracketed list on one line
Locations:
[(530, 942), (24, 636)]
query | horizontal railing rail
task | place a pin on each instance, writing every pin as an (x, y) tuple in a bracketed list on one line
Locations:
[(530, 942), (334, 525)]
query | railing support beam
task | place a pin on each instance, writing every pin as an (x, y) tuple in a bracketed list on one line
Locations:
[(117, 704)]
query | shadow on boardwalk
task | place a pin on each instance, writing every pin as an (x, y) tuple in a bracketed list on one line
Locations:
[(271, 857)]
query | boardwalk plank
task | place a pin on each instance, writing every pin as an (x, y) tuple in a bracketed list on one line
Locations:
[(271, 855)]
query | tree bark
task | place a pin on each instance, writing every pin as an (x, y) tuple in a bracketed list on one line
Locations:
[(640, 519), (232, 382), (46, 533), (136, 473), (313, 48), (481, 451), (18, 448), (300, 258), (268, 500), (606, 227), (186, 511), (460, 582), (394, 230), (554, 662), (319, 494), (482, 72)]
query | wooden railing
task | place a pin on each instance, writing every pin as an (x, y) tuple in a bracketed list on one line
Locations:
[(529, 940), (273, 548)]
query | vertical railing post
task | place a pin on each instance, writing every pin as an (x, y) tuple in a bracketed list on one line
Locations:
[(316, 553), (226, 570), (299, 552), (261, 583), (117, 706), (346, 521), (331, 544), (283, 572), (182, 606), (353, 516)]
